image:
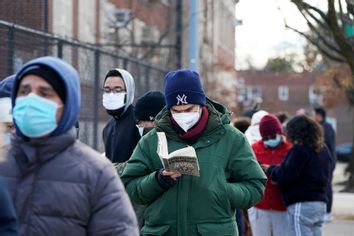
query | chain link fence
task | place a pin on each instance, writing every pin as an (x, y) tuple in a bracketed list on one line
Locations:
[(20, 44)]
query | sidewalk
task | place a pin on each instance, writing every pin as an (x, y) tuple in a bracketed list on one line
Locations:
[(342, 209)]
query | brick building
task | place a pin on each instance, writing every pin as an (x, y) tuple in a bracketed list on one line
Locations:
[(289, 92), (217, 48)]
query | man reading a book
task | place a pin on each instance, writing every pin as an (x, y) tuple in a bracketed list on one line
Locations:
[(229, 176)]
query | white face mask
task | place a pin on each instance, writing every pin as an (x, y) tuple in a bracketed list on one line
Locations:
[(113, 101), (186, 120), (141, 130)]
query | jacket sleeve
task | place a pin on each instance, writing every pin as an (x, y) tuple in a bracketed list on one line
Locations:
[(330, 138), (112, 212), (139, 176), (290, 168), (247, 182), (8, 221)]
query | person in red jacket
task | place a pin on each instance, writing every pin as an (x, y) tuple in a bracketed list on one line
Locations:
[(269, 217)]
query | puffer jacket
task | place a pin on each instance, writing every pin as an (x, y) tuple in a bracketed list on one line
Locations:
[(59, 185), (8, 219), (272, 199), (230, 178)]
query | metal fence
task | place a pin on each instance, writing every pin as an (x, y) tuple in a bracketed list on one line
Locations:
[(20, 44)]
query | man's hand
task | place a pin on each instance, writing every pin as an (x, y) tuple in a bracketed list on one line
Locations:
[(172, 174), (167, 179)]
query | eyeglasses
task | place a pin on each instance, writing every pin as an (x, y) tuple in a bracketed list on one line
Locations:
[(114, 91)]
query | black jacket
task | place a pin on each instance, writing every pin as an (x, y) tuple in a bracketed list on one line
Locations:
[(303, 175), (8, 221), (330, 137), (120, 136)]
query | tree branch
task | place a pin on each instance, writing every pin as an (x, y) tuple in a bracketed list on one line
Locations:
[(322, 50), (327, 43), (303, 5), (345, 47), (350, 7)]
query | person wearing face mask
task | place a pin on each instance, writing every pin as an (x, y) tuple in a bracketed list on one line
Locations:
[(230, 176), (120, 135), (5, 109), (269, 216), (6, 120), (146, 109), (59, 185)]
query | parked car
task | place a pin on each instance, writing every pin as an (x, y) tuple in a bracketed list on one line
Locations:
[(344, 152)]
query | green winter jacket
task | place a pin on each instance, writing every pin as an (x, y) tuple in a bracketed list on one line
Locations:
[(230, 177)]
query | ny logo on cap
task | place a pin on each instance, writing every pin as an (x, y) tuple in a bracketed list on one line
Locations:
[(182, 100)]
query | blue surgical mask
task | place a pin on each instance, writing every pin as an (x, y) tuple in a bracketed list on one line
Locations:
[(272, 143), (35, 116)]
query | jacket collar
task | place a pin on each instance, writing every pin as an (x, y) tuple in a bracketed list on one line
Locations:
[(31, 154), (218, 117)]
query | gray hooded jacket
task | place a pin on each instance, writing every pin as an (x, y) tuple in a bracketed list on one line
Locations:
[(61, 186), (121, 135)]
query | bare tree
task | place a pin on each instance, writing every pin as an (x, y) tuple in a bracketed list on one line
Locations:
[(327, 34)]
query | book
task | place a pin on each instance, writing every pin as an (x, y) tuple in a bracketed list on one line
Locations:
[(183, 160)]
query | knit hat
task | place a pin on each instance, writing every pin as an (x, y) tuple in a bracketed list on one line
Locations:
[(149, 105), (269, 126), (183, 87), (50, 76)]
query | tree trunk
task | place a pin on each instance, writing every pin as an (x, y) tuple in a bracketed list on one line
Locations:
[(350, 182)]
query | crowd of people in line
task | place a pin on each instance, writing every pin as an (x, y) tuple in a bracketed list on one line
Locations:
[(261, 174)]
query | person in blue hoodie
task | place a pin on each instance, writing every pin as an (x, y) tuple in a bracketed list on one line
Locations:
[(8, 220), (120, 135), (59, 185), (6, 86)]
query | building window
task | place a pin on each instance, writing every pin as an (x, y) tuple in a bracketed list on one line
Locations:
[(315, 95), (283, 93)]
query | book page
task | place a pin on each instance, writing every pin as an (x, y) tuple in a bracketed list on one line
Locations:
[(183, 160), (162, 148)]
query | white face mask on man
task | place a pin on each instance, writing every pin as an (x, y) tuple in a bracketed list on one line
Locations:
[(187, 120), (113, 101)]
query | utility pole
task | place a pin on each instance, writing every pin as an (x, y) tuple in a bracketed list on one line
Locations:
[(193, 35), (179, 29)]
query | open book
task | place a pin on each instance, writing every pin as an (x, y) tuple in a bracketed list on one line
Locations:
[(183, 160)]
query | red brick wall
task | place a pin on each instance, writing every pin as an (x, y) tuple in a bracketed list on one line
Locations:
[(28, 13), (298, 98), (151, 12)]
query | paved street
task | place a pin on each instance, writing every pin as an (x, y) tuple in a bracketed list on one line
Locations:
[(339, 228), (343, 208)]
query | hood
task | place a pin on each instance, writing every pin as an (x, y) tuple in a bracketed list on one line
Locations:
[(252, 133), (257, 117), (6, 86), (129, 86), (70, 78)]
